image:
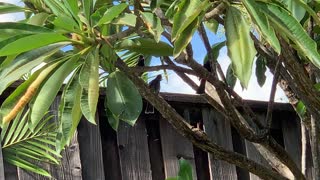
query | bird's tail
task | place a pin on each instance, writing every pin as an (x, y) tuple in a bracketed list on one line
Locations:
[(149, 109), (202, 86)]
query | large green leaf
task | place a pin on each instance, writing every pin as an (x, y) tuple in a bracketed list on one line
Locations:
[(261, 70), (184, 38), (145, 46), (24, 64), (187, 12), (295, 8), (49, 89), (240, 46), (89, 81), (153, 24), (23, 94), (22, 148), (123, 98), (288, 26), (10, 8), (24, 27), (69, 111), (57, 7), (112, 13), (87, 6), (261, 21), (31, 42), (73, 7), (126, 19)]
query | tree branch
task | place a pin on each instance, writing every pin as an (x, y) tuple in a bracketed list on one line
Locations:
[(139, 69), (196, 136)]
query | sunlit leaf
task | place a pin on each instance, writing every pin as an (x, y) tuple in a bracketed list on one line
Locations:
[(145, 46), (112, 13), (240, 46), (153, 24), (89, 81), (31, 42)]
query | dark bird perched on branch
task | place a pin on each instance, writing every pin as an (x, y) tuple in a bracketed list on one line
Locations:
[(154, 85), (141, 63), (202, 86)]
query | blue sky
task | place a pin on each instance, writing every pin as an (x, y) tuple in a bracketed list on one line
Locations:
[(176, 85)]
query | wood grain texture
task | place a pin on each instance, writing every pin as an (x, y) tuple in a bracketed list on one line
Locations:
[(10, 171), (70, 165), (110, 151), (133, 151), (219, 130), (1, 164), (90, 150), (155, 150), (175, 146)]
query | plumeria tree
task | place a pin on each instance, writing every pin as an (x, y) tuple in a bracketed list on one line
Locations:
[(86, 42)]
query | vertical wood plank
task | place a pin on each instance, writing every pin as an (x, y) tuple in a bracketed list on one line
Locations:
[(154, 144), (110, 151), (292, 138), (10, 171), (90, 150), (1, 164), (133, 150), (175, 146), (219, 130)]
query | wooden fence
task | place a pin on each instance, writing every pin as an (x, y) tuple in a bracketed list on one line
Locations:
[(150, 150)]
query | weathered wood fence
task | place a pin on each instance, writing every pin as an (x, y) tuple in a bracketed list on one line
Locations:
[(150, 150)]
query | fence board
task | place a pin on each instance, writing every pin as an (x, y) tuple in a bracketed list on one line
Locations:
[(155, 150), (1, 164), (90, 150), (133, 150), (10, 171), (219, 130), (174, 146), (110, 151)]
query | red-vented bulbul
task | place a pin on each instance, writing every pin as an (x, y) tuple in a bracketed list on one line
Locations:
[(154, 85), (202, 86)]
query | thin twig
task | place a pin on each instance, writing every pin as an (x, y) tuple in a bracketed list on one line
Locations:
[(140, 69), (272, 95)]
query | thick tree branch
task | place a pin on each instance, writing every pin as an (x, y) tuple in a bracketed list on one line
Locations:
[(196, 136)]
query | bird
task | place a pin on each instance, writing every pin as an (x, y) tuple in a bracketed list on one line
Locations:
[(201, 89), (154, 85), (141, 63)]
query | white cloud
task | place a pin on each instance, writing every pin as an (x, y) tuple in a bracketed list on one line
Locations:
[(176, 85)]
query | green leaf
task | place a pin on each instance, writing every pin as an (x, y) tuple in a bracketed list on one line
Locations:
[(212, 25), (67, 23), (6, 8), (126, 19), (57, 7), (301, 109), (112, 119), (38, 19), (184, 38), (145, 46), (31, 42), (112, 13), (185, 170), (87, 6), (240, 46), (123, 98), (262, 22), (153, 24), (295, 8), (187, 12), (24, 63), (287, 25), (261, 70), (73, 7), (17, 142), (69, 111), (89, 81), (215, 50), (24, 27), (231, 79), (49, 89)]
